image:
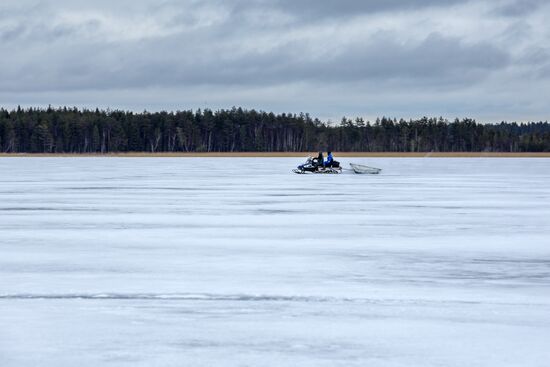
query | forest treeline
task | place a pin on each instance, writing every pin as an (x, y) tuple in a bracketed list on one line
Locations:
[(71, 130)]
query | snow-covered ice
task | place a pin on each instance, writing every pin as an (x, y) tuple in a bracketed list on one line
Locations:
[(239, 262)]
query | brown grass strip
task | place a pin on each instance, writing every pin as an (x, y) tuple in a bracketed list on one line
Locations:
[(291, 154)]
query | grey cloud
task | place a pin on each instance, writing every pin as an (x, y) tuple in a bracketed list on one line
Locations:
[(436, 60), (518, 8), (234, 51), (13, 32), (331, 8)]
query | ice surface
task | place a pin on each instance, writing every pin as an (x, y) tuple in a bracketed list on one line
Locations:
[(239, 262)]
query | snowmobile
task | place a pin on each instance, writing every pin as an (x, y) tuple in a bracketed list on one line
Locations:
[(313, 166)]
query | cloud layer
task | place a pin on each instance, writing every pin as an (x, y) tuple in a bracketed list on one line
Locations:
[(485, 59)]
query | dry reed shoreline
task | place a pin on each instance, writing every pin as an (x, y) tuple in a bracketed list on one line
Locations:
[(286, 154)]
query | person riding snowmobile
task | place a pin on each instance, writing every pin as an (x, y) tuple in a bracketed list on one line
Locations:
[(330, 162), (319, 162)]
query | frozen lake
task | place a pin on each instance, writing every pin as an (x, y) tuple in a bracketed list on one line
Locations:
[(239, 262)]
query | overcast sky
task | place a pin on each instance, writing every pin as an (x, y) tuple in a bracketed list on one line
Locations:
[(401, 58)]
